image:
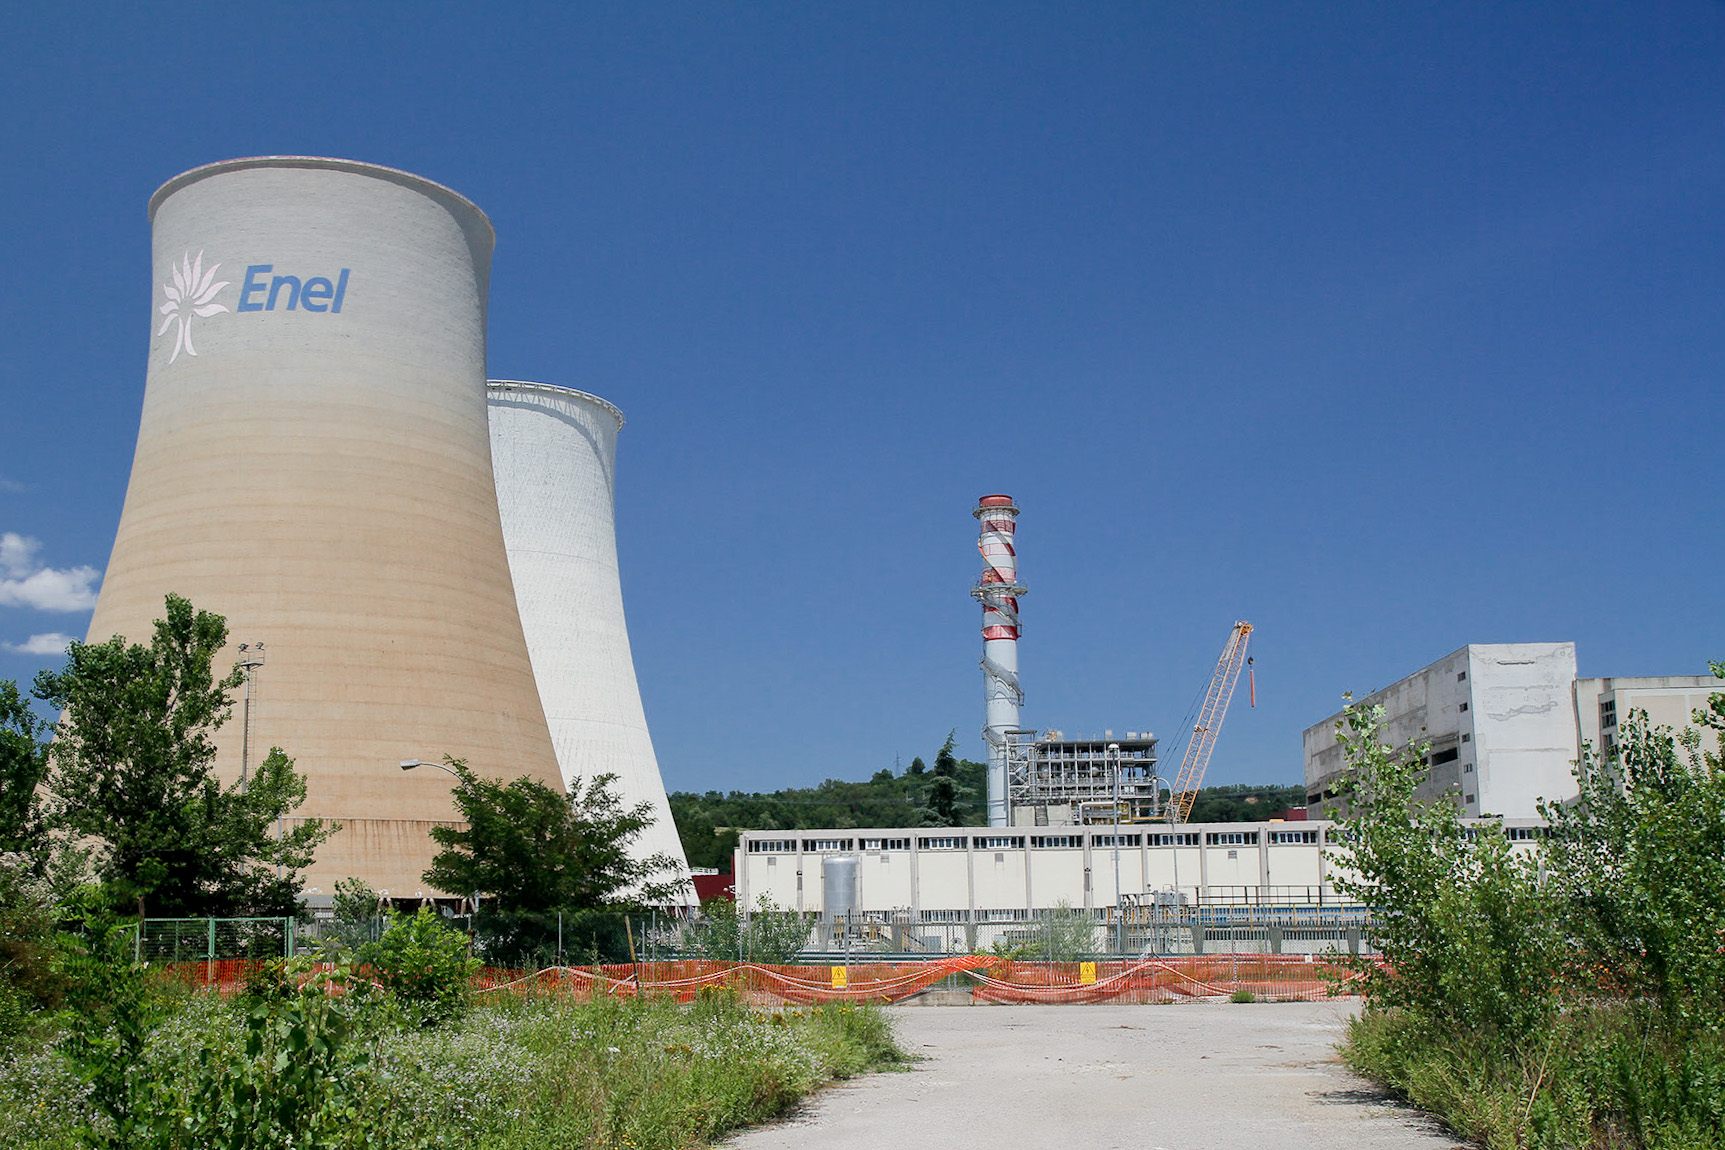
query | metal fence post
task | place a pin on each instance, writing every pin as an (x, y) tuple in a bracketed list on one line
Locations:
[(290, 940), (210, 954)]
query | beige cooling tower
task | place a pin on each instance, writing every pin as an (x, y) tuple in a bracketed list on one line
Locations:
[(313, 463)]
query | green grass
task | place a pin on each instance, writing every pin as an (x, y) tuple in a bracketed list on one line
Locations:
[(523, 1072)]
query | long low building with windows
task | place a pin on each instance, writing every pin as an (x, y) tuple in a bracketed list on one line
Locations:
[(985, 873), (967, 888)]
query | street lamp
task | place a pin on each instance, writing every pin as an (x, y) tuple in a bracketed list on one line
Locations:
[(410, 764)]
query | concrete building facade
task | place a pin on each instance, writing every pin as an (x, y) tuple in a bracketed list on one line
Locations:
[(1500, 718), (1506, 723), (1603, 705), (313, 463)]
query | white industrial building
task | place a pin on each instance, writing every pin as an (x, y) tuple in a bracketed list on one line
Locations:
[(1264, 885), (1505, 723), (949, 874)]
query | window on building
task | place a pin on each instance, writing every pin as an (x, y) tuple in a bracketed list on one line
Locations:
[(947, 843), (1115, 841), (829, 844), (772, 846), (1000, 842), (1294, 836), (1461, 676), (1183, 839), (1047, 842), (1466, 738), (1467, 769), (1464, 707), (1231, 838), (1608, 714), (1471, 800), (1448, 756)]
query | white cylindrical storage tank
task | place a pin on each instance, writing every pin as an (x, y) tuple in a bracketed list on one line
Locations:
[(838, 887), (554, 450), (313, 462)]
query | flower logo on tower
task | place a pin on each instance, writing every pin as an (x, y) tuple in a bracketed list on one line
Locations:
[(189, 296)]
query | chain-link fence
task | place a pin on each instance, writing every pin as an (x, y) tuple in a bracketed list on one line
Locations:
[(1060, 934), (212, 950)]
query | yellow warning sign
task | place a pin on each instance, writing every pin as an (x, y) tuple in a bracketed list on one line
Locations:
[(841, 977), (1087, 974)]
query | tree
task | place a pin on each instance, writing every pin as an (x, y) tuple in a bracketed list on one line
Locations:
[(1638, 861), (943, 803), (917, 766), (23, 766), (1466, 932), (531, 849), (131, 768), (945, 762), (768, 934)]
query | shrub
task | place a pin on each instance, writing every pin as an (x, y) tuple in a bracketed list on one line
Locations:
[(424, 964), (1469, 936), (766, 934)]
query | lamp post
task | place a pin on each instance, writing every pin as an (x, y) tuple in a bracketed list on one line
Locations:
[(410, 764)]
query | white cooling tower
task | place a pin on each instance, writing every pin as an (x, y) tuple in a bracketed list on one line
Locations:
[(554, 452)]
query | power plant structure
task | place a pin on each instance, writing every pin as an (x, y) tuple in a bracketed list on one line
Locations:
[(314, 462), (554, 451), (998, 590), (1040, 778)]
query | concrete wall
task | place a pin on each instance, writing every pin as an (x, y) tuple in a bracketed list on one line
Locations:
[(1523, 709), (1669, 700), (319, 472), (1500, 721)]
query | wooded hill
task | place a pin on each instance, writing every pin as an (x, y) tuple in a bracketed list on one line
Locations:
[(951, 793)]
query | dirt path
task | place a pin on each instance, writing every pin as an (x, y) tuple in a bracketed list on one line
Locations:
[(1259, 1076)]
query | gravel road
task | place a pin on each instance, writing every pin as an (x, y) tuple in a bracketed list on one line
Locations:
[(1216, 1076)]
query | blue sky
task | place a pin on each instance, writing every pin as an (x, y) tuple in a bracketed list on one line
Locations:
[(1389, 328)]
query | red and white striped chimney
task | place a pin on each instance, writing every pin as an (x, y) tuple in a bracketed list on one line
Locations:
[(998, 591)]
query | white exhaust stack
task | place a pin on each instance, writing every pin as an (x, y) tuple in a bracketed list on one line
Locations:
[(998, 591)]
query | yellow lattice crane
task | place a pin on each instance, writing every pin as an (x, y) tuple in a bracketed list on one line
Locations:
[(1209, 725)]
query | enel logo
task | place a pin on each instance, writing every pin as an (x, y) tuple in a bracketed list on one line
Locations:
[(315, 294)]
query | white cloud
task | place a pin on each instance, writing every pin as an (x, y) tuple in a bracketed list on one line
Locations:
[(12, 486), (52, 643), (30, 584)]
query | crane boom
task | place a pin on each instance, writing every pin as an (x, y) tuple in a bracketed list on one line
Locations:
[(1209, 725)]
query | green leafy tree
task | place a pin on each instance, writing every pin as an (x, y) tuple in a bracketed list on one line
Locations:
[(917, 766), (1638, 862), (23, 766), (766, 933), (529, 848), (131, 768), (1469, 936)]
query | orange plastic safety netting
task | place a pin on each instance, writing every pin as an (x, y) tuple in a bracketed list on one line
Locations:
[(1282, 977), (988, 979), (857, 982)]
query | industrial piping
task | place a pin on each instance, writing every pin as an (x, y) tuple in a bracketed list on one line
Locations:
[(998, 591)]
